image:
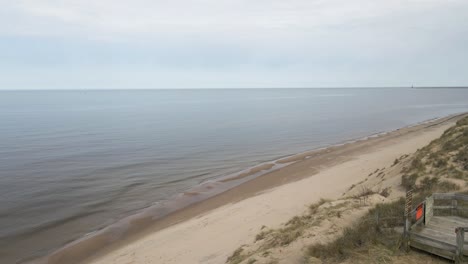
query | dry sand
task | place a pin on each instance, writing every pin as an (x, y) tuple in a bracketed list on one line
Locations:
[(208, 232)]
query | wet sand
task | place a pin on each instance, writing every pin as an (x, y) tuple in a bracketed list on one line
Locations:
[(209, 231)]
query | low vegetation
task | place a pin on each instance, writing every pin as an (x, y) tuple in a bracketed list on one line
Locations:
[(430, 170), (375, 230), (442, 166), (296, 227), (445, 157)]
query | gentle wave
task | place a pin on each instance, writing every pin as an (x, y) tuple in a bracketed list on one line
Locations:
[(73, 162)]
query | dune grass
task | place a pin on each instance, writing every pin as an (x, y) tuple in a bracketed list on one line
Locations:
[(373, 239), (290, 232), (368, 233), (374, 235), (445, 157)]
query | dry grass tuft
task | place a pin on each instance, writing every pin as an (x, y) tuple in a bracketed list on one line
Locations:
[(237, 257), (374, 241), (445, 157), (367, 234)]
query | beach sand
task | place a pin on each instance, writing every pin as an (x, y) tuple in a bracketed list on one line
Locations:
[(209, 231)]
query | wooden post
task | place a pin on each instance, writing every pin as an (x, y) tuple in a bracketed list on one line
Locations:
[(454, 207), (428, 209), (408, 209), (460, 242)]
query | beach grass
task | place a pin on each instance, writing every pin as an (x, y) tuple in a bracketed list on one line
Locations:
[(429, 171), (374, 238)]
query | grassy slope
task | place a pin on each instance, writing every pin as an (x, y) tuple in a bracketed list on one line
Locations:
[(442, 166), (443, 161)]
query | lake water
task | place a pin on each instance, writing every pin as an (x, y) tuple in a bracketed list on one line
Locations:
[(72, 162)]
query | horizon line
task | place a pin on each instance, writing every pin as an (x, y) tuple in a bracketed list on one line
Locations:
[(239, 88)]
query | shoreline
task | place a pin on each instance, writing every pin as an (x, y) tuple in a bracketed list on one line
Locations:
[(292, 168)]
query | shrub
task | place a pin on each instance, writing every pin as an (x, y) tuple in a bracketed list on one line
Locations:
[(417, 164), (236, 257), (462, 158), (314, 207), (446, 186), (365, 191), (409, 181), (261, 235), (440, 163), (366, 233), (463, 122), (455, 173), (449, 146), (428, 184), (386, 192)]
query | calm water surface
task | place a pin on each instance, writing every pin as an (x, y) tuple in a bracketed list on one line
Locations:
[(72, 162)]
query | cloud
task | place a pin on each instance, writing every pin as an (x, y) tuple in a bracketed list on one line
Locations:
[(198, 16), (300, 42)]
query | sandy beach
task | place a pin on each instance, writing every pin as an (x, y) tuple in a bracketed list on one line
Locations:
[(210, 231)]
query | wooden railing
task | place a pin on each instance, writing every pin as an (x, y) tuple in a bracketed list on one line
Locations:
[(460, 231), (454, 206), (455, 209), (423, 213)]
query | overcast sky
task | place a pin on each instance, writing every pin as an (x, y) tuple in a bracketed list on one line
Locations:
[(85, 44)]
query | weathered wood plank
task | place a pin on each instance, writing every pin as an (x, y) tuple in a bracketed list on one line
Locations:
[(443, 196), (443, 225), (450, 196), (461, 197), (443, 207), (448, 254), (429, 210), (442, 244), (433, 242), (442, 235), (450, 232), (439, 237), (456, 221), (460, 243), (451, 221)]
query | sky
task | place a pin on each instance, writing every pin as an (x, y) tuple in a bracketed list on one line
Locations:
[(146, 44)]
